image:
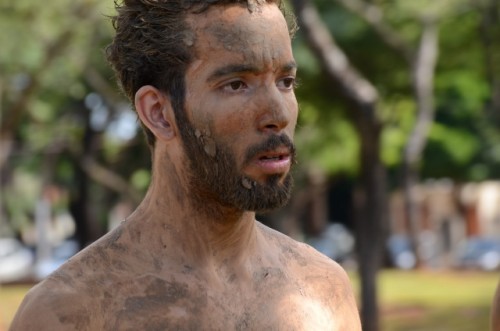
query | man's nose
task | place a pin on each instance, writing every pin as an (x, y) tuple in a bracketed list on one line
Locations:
[(274, 112)]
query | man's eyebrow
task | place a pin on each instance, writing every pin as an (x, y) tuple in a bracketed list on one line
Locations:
[(290, 66), (232, 69), (246, 68)]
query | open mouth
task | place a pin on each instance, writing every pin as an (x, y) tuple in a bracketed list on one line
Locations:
[(271, 161), (279, 157), (276, 155)]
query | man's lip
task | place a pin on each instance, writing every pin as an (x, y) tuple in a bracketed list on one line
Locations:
[(277, 161), (276, 154)]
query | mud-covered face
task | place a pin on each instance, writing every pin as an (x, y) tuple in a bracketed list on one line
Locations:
[(241, 108)]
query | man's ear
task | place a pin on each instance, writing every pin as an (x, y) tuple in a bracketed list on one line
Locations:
[(155, 111)]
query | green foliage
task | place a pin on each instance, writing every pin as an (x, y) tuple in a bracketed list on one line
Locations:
[(333, 148), (49, 50), (399, 116), (449, 152), (462, 143), (55, 44), (140, 179), (22, 198)]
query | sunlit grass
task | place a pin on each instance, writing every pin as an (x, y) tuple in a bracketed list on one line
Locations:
[(435, 301), (443, 289), (10, 299)]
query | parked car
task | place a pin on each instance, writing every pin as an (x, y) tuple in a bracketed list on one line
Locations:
[(59, 254), (16, 260), (479, 253), (400, 253), (336, 242)]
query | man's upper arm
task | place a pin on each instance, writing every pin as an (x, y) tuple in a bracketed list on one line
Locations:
[(347, 308), (333, 284), (45, 307), (35, 313)]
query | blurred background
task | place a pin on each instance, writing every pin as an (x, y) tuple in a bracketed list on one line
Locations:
[(398, 142)]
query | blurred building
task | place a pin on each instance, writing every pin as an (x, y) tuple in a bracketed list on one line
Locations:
[(452, 221)]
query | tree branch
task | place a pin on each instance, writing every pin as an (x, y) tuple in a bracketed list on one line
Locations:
[(109, 179), (370, 203), (356, 87), (423, 84), (372, 15), (16, 112), (12, 116), (98, 83)]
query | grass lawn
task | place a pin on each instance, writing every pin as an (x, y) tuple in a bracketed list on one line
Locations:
[(435, 301), (10, 299), (411, 301)]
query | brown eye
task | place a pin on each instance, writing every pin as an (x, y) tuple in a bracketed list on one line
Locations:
[(236, 85), (287, 83)]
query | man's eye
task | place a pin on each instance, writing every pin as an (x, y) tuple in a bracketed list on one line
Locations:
[(236, 85), (287, 83)]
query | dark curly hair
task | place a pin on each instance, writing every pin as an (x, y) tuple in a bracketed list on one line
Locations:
[(151, 45)]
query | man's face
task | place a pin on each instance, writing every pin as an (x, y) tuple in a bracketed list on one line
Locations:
[(241, 108)]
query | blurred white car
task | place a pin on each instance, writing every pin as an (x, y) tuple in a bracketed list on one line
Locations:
[(16, 260), (479, 253), (336, 242)]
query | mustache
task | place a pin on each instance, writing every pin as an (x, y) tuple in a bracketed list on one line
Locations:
[(270, 144)]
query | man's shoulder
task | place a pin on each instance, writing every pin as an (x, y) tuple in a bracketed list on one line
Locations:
[(320, 278), (64, 300), (308, 266), (51, 305), (300, 253)]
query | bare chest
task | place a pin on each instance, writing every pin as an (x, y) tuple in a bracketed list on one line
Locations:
[(158, 304)]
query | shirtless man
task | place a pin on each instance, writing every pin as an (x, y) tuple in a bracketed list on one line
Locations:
[(213, 85)]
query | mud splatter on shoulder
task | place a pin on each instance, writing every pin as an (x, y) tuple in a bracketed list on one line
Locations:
[(135, 235), (290, 253), (78, 319), (112, 241), (61, 276), (269, 279)]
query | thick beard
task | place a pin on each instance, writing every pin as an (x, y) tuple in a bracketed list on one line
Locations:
[(216, 179)]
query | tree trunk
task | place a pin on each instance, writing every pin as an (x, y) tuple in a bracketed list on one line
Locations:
[(490, 34), (422, 64), (317, 206), (80, 204), (370, 201), (370, 218)]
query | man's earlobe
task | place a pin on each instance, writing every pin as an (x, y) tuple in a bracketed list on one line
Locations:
[(155, 112)]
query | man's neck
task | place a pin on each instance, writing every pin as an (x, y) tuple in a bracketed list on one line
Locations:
[(216, 237)]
